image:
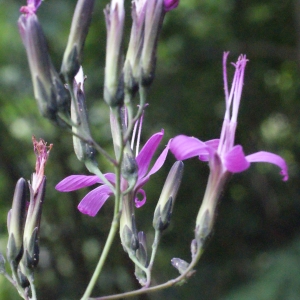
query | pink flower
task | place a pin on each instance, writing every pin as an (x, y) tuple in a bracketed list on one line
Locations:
[(231, 156), (95, 199)]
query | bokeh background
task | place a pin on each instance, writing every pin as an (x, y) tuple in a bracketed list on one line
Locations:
[(254, 252)]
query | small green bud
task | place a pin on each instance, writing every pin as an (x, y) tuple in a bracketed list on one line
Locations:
[(180, 264), (129, 166), (128, 230), (164, 207), (141, 255)]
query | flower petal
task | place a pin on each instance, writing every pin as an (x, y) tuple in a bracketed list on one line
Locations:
[(184, 147), (271, 158), (235, 160), (94, 200), (144, 157), (212, 147), (138, 202), (76, 182), (157, 165)]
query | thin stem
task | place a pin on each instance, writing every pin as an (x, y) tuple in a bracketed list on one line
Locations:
[(153, 254), (187, 273), (104, 254), (116, 218)]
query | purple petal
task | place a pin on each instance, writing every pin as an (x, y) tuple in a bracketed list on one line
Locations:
[(94, 200), (184, 147), (76, 182), (271, 158), (212, 147), (170, 4), (235, 160), (157, 165), (144, 157), (138, 202)]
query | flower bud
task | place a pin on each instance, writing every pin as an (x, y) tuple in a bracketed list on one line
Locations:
[(132, 70), (16, 221), (164, 207), (128, 230), (114, 16), (49, 91), (31, 248), (141, 255), (129, 166), (180, 264), (154, 16), (79, 29), (79, 116)]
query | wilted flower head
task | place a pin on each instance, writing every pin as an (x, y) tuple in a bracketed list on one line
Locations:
[(41, 151)]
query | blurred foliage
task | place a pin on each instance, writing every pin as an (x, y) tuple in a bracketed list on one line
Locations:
[(254, 252)]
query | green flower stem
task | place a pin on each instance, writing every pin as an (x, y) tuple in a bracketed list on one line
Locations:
[(188, 272), (153, 254), (117, 212), (112, 233)]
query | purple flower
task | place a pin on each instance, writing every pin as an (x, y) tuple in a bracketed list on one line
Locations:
[(231, 156), (94, 200)]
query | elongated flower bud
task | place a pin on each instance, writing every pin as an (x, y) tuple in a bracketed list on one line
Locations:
[(154, 16), (164, 207), (113, 82), (128, 230), (16, 221), (79, 29), (132, 71), (49, 91), (79, 116)]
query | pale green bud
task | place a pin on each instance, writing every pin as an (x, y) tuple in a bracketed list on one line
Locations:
[(164, 207)]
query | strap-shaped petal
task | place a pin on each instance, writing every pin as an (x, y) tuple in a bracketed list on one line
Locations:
[(94, 200), (271, 158), (184, 147), (144, 157)]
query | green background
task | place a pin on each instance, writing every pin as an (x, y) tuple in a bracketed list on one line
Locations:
[(254, 252)]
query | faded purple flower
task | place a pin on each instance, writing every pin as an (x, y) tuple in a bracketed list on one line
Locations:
[(231, 156), (95, 199)]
